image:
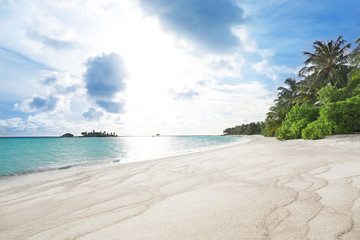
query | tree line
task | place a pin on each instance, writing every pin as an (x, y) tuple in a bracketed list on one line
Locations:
[(326, 99), (98, 134), (246, 129)]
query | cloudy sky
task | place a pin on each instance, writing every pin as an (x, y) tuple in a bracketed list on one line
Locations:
[(140, 67)]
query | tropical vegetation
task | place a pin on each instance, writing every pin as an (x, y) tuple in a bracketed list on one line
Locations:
[(98, 134), (245, 129), (326, 99)]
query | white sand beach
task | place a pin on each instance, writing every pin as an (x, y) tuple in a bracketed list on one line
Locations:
[(262, 189)]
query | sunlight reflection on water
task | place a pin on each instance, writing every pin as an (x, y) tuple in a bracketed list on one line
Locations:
[(20, 155)]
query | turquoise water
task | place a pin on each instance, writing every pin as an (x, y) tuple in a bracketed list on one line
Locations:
[(25, 155)]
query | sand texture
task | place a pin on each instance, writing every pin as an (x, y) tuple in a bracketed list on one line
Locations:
[(263, 189)]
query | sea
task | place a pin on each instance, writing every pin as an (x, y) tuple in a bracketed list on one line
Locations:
[(24, 155)]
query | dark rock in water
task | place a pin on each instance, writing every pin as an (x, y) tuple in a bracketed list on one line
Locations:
[(67, 135)]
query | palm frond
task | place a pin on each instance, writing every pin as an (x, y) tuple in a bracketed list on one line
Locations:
[(326, 63)]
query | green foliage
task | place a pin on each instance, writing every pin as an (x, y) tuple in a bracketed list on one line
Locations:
[(328, 64), (270, 129), (275, 117), (341, 117), (331, 94), (325, 101), (296, 120), (245, 129), (345, 115), (354, 75), (287, 97), (318, 129)]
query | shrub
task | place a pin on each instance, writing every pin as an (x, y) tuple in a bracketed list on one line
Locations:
[(296, 120), (340, 117), (345, 115), (270, 129), (318, 129)]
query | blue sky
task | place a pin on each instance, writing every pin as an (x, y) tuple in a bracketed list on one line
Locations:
[(140, 67)]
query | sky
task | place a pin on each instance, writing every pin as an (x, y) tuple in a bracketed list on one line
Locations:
[(141, 67)]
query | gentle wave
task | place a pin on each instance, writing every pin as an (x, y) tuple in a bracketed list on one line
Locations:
[(28, 155)]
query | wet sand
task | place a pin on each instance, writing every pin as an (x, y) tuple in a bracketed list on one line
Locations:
[(263, 189)]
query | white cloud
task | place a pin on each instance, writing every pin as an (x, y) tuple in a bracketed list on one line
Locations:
[(221, 66), (184, 94), (169, 86), (272, 71), (55, 95), (61, 82), (215, 108), (93, 114), (38, 104), (248, 44), (16, 125)]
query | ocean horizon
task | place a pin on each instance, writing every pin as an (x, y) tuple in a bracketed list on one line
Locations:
[(28, 154)]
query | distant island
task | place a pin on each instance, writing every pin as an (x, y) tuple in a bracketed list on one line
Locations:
[(67, 135), (98, 134)]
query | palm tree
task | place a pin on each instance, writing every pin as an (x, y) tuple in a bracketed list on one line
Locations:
[(356, 51), (328, 65), (274, 118), (288, 97), (306, 92), (354, 75)]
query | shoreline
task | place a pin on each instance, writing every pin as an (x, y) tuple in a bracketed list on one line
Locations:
[(116, 161), (260, 189)]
